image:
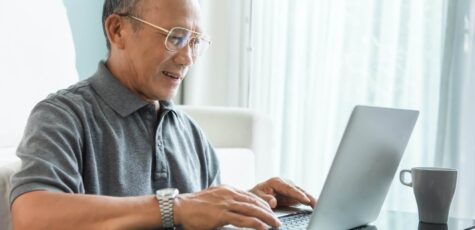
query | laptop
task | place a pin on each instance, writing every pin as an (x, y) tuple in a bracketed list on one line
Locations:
[(362, 170)]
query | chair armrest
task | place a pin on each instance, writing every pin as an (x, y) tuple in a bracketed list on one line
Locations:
[(6, 172), (228, 127)]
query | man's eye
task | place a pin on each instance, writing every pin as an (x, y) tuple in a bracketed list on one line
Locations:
[(177, 41), (196, 41)]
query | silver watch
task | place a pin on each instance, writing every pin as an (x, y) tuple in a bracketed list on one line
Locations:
[(165, 199)]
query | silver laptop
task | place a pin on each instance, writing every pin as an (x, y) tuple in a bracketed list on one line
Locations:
[(362, 171)]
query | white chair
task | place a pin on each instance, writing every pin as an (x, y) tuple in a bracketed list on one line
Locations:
[(242, 139), (6, 171)]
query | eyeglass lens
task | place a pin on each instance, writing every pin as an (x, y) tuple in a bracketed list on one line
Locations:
[(178, 38)]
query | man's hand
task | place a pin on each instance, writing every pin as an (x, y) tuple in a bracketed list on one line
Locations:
[(277, 192), (219, 206)]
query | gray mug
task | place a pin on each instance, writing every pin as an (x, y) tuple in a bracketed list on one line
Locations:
[(434, 189)]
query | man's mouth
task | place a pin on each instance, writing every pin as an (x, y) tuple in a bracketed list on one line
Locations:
[(172, 75)]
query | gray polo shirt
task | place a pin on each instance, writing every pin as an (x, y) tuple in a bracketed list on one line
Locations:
[(97, 137)]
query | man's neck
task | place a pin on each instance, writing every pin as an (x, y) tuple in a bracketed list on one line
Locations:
[(122, 72)]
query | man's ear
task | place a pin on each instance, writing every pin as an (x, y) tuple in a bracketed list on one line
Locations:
[(115, 29)]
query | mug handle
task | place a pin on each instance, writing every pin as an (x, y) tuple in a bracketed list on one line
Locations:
[(401, 177)]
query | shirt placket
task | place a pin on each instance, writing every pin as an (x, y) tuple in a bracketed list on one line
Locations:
[(161, 170)]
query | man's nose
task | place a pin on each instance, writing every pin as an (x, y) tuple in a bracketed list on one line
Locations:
[(185, 56)]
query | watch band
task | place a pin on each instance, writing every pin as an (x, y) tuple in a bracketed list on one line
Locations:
[(165, 199), (166, 210)]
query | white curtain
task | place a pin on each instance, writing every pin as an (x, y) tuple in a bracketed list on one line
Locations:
[(217, 77), (312, 61), (456, 126)]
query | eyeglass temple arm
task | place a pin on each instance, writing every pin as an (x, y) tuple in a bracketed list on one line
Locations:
[(142, 21), (199, 35)]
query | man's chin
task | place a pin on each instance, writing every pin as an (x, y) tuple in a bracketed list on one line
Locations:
[(167, 97)]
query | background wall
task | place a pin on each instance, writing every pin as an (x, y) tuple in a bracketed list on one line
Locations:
[(37, 57), (85, 20)]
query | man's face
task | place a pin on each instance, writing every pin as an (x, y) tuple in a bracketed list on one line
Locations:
[(154, 72)]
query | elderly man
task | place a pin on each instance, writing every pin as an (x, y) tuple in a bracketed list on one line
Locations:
[(94, 153)]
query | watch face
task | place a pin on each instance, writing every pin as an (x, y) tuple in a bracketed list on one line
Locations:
[(167, 192)]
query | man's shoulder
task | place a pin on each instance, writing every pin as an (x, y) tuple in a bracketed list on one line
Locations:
[(75, 96), (78, 89)]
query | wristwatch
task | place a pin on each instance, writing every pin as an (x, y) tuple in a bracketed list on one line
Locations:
[(165, 199)]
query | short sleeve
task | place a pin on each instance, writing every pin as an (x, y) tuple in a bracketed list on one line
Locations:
[(214, 170), (50, 152)]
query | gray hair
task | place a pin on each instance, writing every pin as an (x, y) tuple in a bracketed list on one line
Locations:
[(117, 6)]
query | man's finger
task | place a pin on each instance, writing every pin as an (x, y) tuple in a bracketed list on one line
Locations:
[(313, 201), (270, 199), (259, 196), (242, 221), (251, 210), (285, 189), (253, 199)]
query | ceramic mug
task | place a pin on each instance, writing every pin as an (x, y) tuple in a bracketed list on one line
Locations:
[(434, 189)]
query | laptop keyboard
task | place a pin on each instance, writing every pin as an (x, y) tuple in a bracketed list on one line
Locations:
[(298, 220)]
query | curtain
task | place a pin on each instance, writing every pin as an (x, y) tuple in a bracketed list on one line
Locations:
[(312, 61), (217, 77), (456, 124)]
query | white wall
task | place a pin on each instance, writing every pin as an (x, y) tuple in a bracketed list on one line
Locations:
[(37, 57)]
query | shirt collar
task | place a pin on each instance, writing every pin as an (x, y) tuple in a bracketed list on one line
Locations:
[(116, 95)]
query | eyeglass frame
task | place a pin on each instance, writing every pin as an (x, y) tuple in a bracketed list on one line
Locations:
[(167, 32)]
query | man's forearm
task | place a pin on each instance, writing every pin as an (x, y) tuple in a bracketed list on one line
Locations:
[(48, 210)]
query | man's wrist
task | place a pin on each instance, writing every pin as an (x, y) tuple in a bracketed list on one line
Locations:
[(177, 205)]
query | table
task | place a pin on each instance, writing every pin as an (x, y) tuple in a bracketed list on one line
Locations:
[(396, 220)]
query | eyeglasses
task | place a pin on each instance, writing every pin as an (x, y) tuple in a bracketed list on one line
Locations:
[(178, 37)]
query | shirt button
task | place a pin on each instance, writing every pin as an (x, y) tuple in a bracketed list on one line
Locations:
[(161, 175), (159, 143)]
